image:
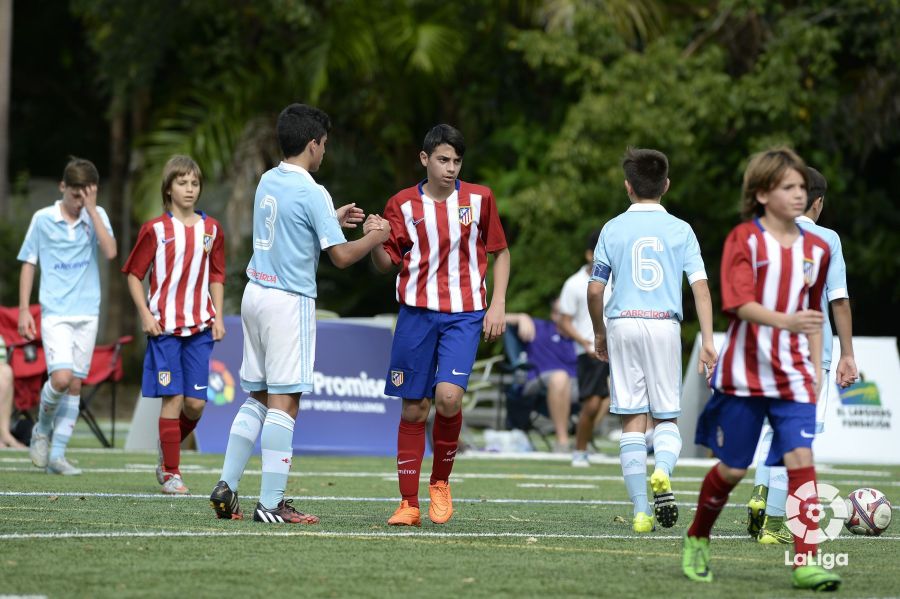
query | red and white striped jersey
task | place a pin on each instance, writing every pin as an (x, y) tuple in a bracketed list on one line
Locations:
[(758, 360), (185, 261), (442, 247)]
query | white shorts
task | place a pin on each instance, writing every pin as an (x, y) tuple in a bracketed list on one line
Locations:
[(279, 340), (822, 401), (644, 366), (69, 343)]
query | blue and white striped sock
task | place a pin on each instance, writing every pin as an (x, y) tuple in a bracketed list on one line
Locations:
[(633, 456), (63, 425), (666, 446), (778, 491), (241, 441), (50, 398), (277, 450), (762, 471)]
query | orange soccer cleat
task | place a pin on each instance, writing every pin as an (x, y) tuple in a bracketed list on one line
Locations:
[(441, 507), (406, 515)]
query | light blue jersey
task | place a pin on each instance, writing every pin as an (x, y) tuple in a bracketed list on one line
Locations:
[(646, 249), (293, 221), (835, 280), (67, 256)]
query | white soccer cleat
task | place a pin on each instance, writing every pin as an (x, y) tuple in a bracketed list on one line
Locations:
[(175, 486), (580, 459), (39, 449), (62, 466)]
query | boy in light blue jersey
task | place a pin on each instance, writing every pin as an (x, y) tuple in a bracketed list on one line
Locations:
[(647, 250), (63, 239), (294, 220), (766, 508)]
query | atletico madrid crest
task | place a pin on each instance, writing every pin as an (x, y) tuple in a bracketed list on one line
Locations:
[(165, 377), (465, 215), (207, 242), (397, 377), (808, 270)]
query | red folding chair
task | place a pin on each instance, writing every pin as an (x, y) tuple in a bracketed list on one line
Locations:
[(25, 357), (106, 369)]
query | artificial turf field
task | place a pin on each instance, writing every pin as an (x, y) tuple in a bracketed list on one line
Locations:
[(523, 528)]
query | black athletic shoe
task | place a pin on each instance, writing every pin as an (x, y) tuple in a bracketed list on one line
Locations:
[(284, 513), (664, 507), (225, 502)]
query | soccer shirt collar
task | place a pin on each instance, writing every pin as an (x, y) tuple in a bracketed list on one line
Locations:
[(59, 218), (646, 208), (296, 169), (421, 187), (804, 219)]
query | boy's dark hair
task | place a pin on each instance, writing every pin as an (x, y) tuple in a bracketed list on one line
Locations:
[(178, 166), (444, 134), (816, 186), (299, 124), (646, 171), (590, 242), (80, 173), (764, 172)]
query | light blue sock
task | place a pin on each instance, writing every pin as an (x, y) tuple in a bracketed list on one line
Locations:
[(762, 471), (241, 440), (50, 398), (633, 456), (277, 449), (666, 446), (778, 491), (63, 425)]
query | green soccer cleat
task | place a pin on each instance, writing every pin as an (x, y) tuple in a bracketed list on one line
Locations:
[(695, 559), (756, 510), (775, 532), (642, 523), (664, 508), (815, 578)]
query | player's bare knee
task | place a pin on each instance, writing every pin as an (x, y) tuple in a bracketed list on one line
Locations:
[(62, 380), (732, 475), (193, 407)]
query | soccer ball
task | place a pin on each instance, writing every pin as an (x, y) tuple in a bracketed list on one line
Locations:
[(870, 512)]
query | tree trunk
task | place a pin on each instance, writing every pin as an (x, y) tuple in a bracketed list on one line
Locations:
[(117, 304), (6, 29)]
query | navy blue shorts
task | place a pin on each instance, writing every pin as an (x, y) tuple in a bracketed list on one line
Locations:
[(177, 366), (731, 425), (429, 348)]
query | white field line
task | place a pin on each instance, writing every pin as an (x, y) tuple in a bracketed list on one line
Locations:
[(302, 498), (365, 535)]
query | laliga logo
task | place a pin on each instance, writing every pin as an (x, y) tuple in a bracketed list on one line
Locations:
[(799, 524)]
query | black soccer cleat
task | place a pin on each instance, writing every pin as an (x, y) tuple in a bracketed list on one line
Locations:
[(225, 502), (664, 507), (284, 513)]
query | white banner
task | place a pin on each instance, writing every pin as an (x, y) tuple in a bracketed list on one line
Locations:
[(862, 422)]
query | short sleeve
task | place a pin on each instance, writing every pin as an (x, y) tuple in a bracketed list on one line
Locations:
[(836, 280), (217, 257), (104, 218), (490, 227), (693, 261), (143, 253), (737, 280), (398, 243), (31, 244), (602, 269), (568, 298), (817, 290), (324, 219)]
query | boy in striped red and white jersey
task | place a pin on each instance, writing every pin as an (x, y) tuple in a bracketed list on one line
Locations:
[(773, 276), (441, 233), (181, 315)]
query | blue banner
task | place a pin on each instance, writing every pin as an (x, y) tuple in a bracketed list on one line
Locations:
[(347, 412)]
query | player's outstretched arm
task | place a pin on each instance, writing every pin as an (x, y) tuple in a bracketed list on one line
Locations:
[(349, 216), (495, 319), (344, 254), (380, 258), (595, 308), (847, 372), (703, 303), (27, 327), (804, 321), (136, 290)]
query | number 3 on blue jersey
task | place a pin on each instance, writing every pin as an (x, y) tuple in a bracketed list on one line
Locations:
[(272, 204), (647, 273)]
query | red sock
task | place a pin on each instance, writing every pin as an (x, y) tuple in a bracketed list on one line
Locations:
[(170, 442), (446, 441), (410, 450), (186, 425), (796, 479), (713, 496)]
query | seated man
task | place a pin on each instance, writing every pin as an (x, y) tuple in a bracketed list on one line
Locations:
[(6, 400), (554, 372)]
